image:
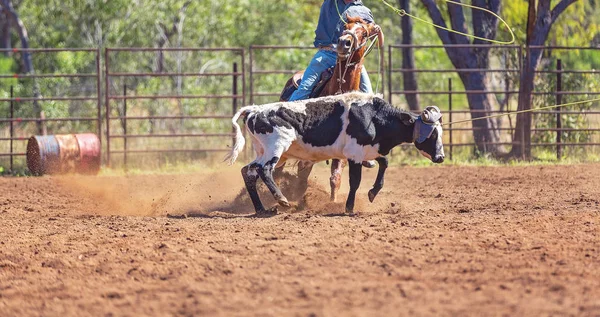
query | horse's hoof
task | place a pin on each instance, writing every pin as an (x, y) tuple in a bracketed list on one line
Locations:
[(368, 164)]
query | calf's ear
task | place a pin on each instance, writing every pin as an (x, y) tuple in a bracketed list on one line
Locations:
[(406, 118)]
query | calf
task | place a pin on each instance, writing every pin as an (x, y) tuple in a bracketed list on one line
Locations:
[(353, 126)]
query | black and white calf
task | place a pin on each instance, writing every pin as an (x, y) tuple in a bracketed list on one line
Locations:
[(353, 126)]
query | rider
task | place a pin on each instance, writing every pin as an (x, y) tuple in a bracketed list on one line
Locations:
[(329, 29)]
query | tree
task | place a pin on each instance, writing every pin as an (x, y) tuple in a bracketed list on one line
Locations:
[(8, 11), (484, 26), (539, 23), (408, 58)]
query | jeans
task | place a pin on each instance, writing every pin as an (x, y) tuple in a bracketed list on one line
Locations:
[(322, 60)]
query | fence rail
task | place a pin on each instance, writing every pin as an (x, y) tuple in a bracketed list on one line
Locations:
[(119, 105)]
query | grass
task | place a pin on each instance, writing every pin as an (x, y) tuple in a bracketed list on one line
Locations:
[(407, 156)]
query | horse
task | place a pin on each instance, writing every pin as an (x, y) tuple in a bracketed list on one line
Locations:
[(345, 77)]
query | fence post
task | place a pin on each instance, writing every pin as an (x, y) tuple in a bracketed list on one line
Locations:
[(12, 131), (450, 111), (234, 92), (558, 111), (107, 105), (125, 136), (382, 71), (99, 95), (251, 75), (390, 73)]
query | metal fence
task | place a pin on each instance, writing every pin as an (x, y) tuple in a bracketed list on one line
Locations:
[(179, 101), (118, 126), (504, 75), (28, 96)]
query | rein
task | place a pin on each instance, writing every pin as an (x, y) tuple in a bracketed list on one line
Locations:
[(355, 47)]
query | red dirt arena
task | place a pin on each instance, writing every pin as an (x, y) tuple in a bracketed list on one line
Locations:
[(460, 241)]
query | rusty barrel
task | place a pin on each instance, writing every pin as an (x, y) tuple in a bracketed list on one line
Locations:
[(90, 153), (67, 153), (43, 154)]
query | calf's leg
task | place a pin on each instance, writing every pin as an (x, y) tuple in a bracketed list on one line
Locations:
[(250, 175), (355, 176), (266, 174), (383, 164)]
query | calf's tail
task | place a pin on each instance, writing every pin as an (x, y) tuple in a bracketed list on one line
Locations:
[(238, 146)]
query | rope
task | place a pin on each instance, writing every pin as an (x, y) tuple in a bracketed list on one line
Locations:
[(523, 111), (402, 12)]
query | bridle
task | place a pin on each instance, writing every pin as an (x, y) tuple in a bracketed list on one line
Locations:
[(354, 47)]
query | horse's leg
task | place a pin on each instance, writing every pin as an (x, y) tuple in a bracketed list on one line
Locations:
[(304, 169), (337, 167), (278, 171), (383, 164)]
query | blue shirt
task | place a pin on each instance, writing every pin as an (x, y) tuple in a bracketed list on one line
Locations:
[(330, 26)]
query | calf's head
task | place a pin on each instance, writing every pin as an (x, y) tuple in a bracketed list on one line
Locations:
[(427, 134)]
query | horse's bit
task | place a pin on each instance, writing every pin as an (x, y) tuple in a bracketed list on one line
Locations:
[(355, 47)]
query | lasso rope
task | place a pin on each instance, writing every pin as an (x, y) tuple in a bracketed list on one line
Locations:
[(523, 111), (402, 12)]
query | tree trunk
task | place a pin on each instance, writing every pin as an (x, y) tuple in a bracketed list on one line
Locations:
[(481, 105), (16, 22), (408, 59), (485, 134), (539, 24), (4, 32)]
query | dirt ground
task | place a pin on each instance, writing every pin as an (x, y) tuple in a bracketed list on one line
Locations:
[(459, 241)]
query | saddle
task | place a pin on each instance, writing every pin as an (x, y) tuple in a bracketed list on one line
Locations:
[(293, 83)]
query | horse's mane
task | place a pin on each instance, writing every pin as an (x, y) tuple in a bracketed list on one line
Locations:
[(351, 20)]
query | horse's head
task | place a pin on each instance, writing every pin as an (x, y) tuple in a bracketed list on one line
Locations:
[(355, 36)]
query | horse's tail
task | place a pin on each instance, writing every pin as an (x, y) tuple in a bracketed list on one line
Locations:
[(239, 137)]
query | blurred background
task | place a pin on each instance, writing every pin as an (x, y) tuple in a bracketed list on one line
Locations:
[(78, 66)]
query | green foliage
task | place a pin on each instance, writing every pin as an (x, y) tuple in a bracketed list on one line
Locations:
[(242, 23)]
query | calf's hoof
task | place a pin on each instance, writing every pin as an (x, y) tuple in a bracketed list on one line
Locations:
[(369, 164), (352, 212), (373, 193), (283, 202), (265, 213)]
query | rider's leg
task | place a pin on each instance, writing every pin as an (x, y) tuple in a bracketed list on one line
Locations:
[(365, 81), (320, 62)]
